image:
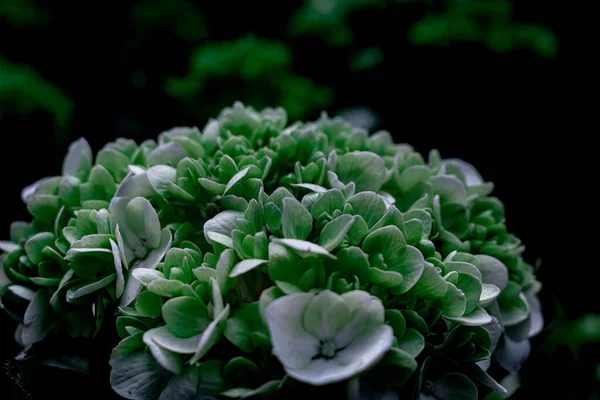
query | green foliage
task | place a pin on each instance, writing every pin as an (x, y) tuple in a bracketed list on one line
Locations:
[(310, 253), (489, 22), (25, 90), (262, 67)]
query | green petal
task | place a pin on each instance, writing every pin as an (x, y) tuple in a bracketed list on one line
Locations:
[(142, 220), (489, 293), (367, 312), (304, 248), (236, 178), (471, 287), (185, 316), (246, 266), (396, 320), (364, 352), (210, 335), (334, 232), (149, 304), (133, 286), (223, 223), (296, 221), (146, 276), (431, 285), (454, 302), (284, 320), (388, 241), (166, 339), (388, 279), (35, 245), (369, 205), (455, 386), (412, 342), (477, 317), (450, 189), (493, 271), (325, 315), (411, 267), (84, 290), (78, 161), (328, 202), (367, 170)]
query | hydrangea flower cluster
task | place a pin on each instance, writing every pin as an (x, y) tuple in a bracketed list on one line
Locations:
[(253, 256)]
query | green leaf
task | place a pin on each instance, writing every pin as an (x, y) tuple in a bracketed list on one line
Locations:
[(454, 302), (264, 390), (83, 290), (455, 386), (368, 205), (185, 316), (296, 221), (367, 170), (304, 248), (224, 266), (412, 342), (138, 376), (149, 304), (130, 344), (333, 232), (246, 266), (183, 386)]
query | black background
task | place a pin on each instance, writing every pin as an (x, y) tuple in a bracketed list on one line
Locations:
[(516, 117)]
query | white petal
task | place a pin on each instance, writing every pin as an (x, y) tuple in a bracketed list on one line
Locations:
[(364, 352), (292, 344)]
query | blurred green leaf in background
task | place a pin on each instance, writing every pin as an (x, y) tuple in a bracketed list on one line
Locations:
[(23, 90)]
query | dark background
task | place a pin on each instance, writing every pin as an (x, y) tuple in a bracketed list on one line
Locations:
[(511, 115)]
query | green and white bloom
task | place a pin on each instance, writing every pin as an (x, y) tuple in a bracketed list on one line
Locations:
[(327, 338), (252, 257)]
